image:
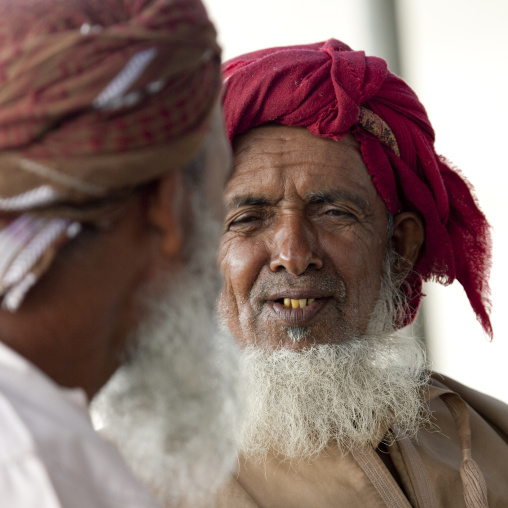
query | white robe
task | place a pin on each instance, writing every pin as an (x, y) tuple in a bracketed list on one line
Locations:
[(50, 455)]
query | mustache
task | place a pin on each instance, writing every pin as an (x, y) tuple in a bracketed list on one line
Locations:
[(327, 283)]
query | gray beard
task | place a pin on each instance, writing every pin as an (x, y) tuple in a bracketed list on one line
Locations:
[(300, 402), (172, 408)]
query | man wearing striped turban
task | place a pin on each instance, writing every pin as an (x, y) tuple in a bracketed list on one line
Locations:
[(338, 208), (113, 161)]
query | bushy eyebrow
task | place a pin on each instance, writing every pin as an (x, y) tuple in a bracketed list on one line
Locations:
[(247, 200), (329, 197), (336, 196)]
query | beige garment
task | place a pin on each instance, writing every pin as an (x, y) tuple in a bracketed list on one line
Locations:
[(428, 466)]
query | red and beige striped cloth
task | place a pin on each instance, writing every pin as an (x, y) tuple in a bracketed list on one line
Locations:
[(97, 97)]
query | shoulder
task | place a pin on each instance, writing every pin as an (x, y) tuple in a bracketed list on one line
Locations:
[(233, 495), (492, 411), (51, 456), (465, 423), (20, 464)]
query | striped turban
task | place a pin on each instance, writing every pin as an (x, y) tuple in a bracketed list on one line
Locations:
[(332, 90), (97, 97)]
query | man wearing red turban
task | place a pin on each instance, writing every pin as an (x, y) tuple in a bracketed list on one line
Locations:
[(338, 208), (113, 161)]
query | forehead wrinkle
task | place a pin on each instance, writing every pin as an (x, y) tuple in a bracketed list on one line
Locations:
[(272, 147), (287, 151), (250, 155)]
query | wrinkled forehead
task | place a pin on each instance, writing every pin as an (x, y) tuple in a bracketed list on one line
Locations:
[(289, 139), (276, 158)]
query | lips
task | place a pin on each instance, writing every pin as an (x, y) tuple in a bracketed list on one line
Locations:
[(297, 308)]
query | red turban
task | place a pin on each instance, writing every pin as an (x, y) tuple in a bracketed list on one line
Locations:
[(331, 90)]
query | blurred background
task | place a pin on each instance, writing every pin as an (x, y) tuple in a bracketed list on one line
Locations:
[(453, 53)]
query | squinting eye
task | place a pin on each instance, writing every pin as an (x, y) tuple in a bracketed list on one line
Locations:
[(243, 219), (338, 213)]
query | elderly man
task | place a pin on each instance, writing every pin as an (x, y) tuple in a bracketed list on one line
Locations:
[(112, 166), (337, 209)]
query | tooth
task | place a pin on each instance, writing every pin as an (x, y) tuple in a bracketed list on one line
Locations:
[(303, 303), (295, 304), (287, 302), (311, 300)]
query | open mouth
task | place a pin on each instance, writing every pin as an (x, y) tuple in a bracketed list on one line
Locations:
[(296, 304), (297, 311)]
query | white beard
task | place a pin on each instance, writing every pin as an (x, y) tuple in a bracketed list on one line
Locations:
[(172, 408), (302, 401), (299, 402)]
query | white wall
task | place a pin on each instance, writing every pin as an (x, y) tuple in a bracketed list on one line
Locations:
[(248, 26), (454, 56)]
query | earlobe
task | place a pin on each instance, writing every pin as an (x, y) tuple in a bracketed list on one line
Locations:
[(408, 236), (165, 213)]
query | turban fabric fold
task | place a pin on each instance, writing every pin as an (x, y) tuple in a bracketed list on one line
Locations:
[(97, 97), (327, 88)]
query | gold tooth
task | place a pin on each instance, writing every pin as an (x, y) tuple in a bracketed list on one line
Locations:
[(287, 302), (303, 303), (295, 304), (310, 300)]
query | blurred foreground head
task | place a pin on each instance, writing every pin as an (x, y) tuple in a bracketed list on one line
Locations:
[(113, 161)]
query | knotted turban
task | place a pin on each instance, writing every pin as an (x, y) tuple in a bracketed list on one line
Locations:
[(97, 97), (332, 90)]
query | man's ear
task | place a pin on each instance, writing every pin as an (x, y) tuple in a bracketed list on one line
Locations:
[(165, 212), (408, 236)]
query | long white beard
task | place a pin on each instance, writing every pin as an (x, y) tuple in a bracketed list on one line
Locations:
[(302, 401), (172, 409)]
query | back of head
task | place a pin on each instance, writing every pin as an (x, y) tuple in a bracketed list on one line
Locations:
[(332, 90), (97, 97)]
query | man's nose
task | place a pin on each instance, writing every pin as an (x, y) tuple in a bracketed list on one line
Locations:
[(294, 246)]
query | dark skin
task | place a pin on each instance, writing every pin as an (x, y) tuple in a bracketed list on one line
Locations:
[(73, 325), (304, 221), (70, 305)]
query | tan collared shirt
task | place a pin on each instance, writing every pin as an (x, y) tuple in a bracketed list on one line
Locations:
[(428, 466)]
